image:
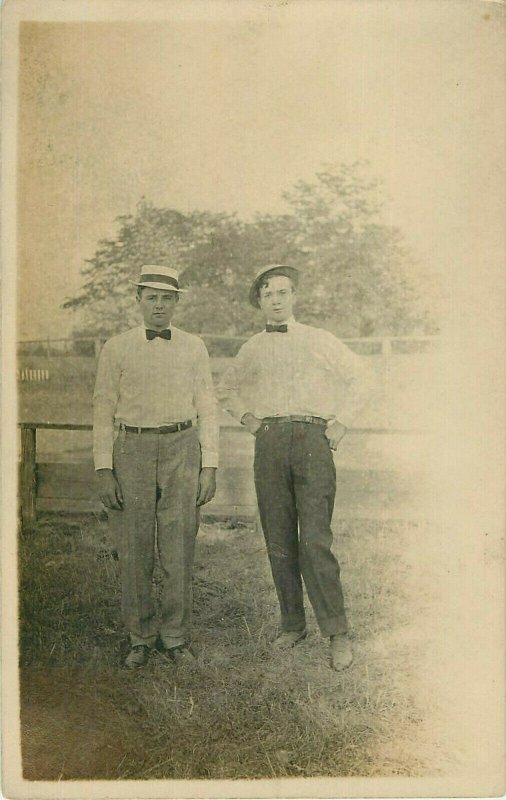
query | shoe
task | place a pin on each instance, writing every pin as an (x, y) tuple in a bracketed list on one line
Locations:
[(288, 639), (341, 655), (182, 655), (137, 656)]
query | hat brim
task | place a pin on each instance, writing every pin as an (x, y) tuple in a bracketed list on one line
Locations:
[(289, 272), (166, 287)]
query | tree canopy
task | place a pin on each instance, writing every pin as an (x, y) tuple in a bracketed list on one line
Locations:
[(356, 274)]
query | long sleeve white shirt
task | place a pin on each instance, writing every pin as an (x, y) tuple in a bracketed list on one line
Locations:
[(152, 383), (303, 371)]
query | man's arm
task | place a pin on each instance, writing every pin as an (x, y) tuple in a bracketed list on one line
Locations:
[(109, 489), (105, 399), (207, 485), (209, 430), (355, 385), (230, 387), (251, 422), (334, 432)]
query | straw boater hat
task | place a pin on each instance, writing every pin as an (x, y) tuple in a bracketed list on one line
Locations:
[(268, 272), (156, 277)]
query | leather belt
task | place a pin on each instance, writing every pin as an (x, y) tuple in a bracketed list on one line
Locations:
[(297, 418), (173, 428)]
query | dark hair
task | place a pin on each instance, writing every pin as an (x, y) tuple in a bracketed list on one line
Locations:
[(264, 283)]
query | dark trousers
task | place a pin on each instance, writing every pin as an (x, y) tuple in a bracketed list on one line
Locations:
[(158, 475), (295, 480)]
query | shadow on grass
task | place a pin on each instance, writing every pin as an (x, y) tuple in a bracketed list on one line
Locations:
[(241, 711)]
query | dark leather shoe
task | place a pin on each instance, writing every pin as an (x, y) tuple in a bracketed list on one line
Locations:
[(137, 657), (288, 639), (341, 655)]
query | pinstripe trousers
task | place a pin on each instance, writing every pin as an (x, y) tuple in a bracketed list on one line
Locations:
[(158, 475)]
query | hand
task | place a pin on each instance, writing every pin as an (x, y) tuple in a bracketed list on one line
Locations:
[(207, 485), (109, 489), (334, 434), (251, 422)]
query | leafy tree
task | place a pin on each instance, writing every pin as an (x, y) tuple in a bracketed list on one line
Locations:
[(358, 273), (357, 276)]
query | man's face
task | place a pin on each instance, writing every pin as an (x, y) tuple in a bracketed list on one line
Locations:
[(277, 299), (157, 307)]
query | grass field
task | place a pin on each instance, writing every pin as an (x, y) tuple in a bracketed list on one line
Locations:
[(241, 711), (412, 704)]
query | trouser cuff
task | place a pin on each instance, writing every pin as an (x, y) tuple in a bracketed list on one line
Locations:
[(170, 643), (149, 641), (292, 623), (333, 625)]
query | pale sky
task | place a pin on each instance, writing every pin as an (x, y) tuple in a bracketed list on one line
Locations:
[(216, 111)]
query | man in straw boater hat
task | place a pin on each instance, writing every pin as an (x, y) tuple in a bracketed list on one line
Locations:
[(154, 387), (296, 388)]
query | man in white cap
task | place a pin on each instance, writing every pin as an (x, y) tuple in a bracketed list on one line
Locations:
[(296, 388), (154, 387)]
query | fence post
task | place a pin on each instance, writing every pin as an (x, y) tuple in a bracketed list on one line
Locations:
[(386, 353), (28, 482)]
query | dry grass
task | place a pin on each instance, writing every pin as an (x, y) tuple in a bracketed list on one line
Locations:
[(241, 711)]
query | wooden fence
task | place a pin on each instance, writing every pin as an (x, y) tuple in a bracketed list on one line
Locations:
[(84, 345), (71, 487), (32, 374)]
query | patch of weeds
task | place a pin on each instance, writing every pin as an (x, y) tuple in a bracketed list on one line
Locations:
[(242, 711)]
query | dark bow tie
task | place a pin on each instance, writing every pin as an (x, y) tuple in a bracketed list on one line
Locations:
[(276, 328), (166, 334)]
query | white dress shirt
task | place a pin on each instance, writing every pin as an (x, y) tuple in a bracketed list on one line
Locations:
[(151, 383), (304, 371)]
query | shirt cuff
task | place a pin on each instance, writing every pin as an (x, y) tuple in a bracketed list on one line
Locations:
[(209, 458), (103, 462)]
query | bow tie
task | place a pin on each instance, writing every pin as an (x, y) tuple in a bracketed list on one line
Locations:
[(166, 334), (276, 328)]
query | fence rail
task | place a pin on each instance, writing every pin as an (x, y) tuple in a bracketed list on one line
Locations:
[(70, 486), (91, 346)]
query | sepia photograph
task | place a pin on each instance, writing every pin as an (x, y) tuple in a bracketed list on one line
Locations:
[(253, 398)]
